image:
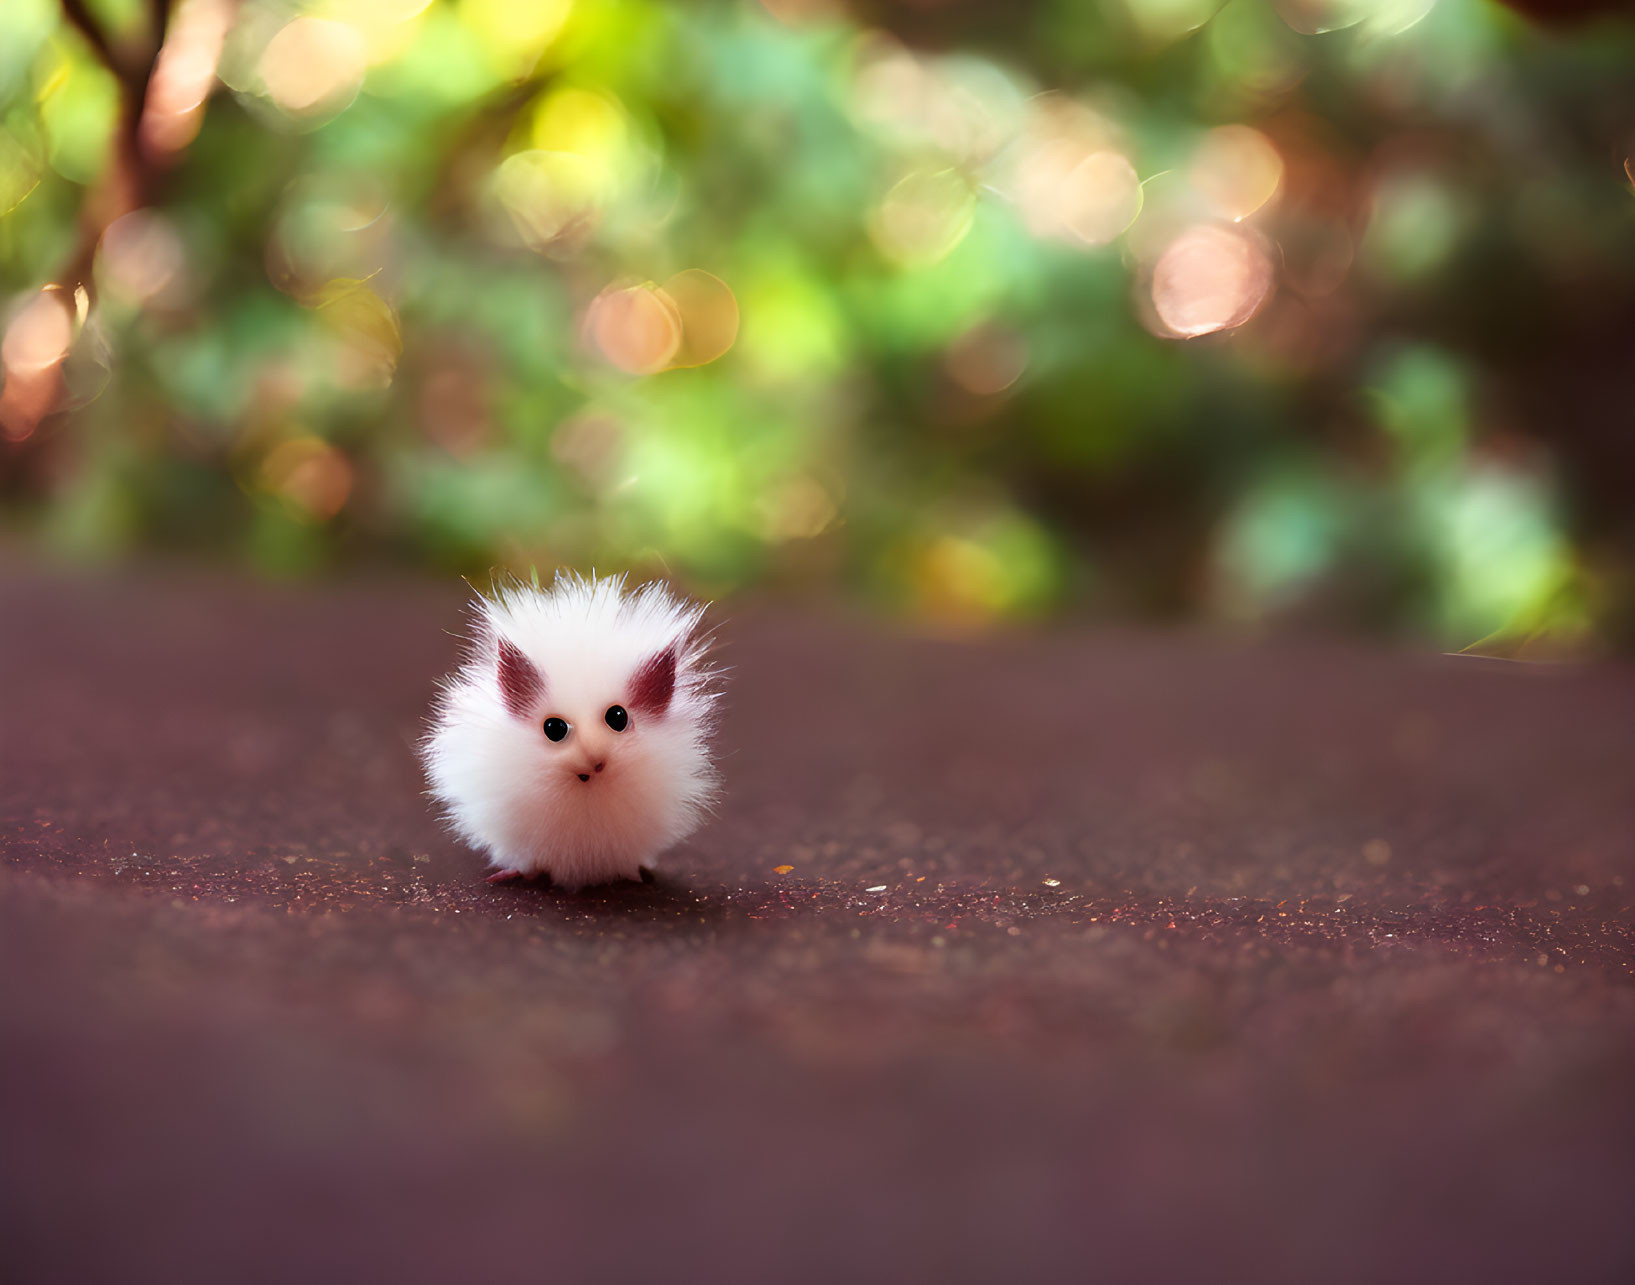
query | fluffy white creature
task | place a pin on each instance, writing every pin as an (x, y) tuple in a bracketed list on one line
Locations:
[(573, 741)]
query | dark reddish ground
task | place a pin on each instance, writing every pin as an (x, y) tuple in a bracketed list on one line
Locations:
[(1102, 957)]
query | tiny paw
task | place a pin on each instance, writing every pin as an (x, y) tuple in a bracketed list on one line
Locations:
[(511, 876)]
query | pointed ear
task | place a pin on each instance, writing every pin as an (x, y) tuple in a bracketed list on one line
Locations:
[(522, 686), (654, 683)]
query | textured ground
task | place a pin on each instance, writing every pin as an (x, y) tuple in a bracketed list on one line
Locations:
[(1101, 957)]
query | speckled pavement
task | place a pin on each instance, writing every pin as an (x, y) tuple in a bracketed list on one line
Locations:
[(1098, 956)]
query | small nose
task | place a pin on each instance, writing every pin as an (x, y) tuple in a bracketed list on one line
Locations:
[(585, 776)]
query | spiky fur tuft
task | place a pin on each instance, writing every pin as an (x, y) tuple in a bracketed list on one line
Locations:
[(599, 804)]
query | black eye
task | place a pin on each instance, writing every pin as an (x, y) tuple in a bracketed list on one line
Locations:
[(618, 718), (555, 729)]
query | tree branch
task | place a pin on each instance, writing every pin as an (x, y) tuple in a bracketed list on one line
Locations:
[(79, 17), (131, 178), (32, 392)]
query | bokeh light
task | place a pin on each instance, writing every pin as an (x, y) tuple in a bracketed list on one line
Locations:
[(964, 108), (388, 27), (691, 320), (142, 258), (636, 328), (1252, 52), (1099, 198), (367, 339), (32, 352), (989, 562), (1070, 179), (551, 197), (313, 67), (514, 33), (1502, 557), (1415, 224), (753, 291), (331, 229), (1210, 278), (986, 360), (924, 216), (39, 334), (796, 509), (589, 125), (1316, 17), (1166, 20), (709, 316), (1281, 537), (1237, 170), (311, 475)]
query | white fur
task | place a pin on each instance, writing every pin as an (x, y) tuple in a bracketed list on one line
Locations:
[(516, 795)]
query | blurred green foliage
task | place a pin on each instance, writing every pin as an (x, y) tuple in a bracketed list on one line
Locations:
[(1159, 307)]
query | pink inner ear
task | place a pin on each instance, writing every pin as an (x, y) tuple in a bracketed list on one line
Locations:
[(522, 686), (654, 683)]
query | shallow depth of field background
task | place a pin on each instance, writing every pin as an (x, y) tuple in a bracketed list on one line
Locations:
[(1312, 313)]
